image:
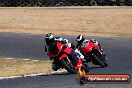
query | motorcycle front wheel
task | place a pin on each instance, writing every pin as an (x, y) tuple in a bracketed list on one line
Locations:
[(99, 60), (68, 65)]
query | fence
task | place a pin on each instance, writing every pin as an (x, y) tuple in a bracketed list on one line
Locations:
[(43, 3)]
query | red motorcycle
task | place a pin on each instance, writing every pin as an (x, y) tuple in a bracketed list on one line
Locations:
[(93, 53), (60, 53)]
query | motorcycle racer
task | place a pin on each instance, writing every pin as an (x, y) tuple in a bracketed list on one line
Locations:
[(50, 39), (82, 41), (74, 48)]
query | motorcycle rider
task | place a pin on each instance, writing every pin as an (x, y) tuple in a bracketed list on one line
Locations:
[(81, 40), (50, 39), (74, 48)]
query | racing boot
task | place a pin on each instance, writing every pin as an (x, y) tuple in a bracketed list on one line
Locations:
[(55, 66)]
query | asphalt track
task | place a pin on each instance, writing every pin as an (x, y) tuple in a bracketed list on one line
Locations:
[(18, 45)]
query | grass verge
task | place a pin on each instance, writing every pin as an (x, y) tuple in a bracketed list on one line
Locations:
[(16, 67), (109, 21)]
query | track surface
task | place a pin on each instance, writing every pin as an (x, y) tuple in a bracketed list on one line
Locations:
[(118, 50)]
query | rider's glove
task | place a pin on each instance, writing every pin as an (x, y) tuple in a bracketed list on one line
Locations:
[(79, 54), (95, 42)]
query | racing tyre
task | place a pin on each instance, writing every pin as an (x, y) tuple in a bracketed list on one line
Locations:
[(68, 65), (93, 3), (98, 60)]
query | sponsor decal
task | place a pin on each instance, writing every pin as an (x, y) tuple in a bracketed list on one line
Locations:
[(108, 78)]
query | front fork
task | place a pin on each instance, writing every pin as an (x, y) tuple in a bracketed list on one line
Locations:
[(101, 52)]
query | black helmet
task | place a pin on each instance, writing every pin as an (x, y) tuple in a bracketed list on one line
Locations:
[(49, 38), (80, 39)]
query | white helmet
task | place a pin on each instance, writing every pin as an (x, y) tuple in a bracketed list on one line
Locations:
[(66, 40), (80, 38)]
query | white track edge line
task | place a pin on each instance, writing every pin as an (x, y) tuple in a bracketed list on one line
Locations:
[(31, 75)]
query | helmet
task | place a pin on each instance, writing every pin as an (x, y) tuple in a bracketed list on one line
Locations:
[(49, 38), (66, 41), (80, 38)]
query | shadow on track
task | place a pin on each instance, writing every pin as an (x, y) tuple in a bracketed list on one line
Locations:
[(95, 67), (67, 73)]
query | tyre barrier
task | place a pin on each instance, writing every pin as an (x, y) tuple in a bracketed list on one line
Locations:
[(45, 3), (93, 3)]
